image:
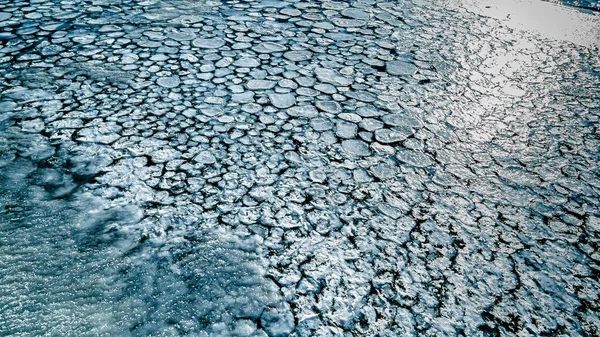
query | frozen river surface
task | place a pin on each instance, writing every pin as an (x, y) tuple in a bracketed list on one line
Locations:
[(299, 168)]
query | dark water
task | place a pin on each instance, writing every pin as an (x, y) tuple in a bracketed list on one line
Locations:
[(586, 5), (73, 265)]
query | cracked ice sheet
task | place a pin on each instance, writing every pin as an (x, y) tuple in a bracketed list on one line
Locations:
[(301, 168)]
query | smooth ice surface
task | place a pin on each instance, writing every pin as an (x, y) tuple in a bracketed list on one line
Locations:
[(549, 19)]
